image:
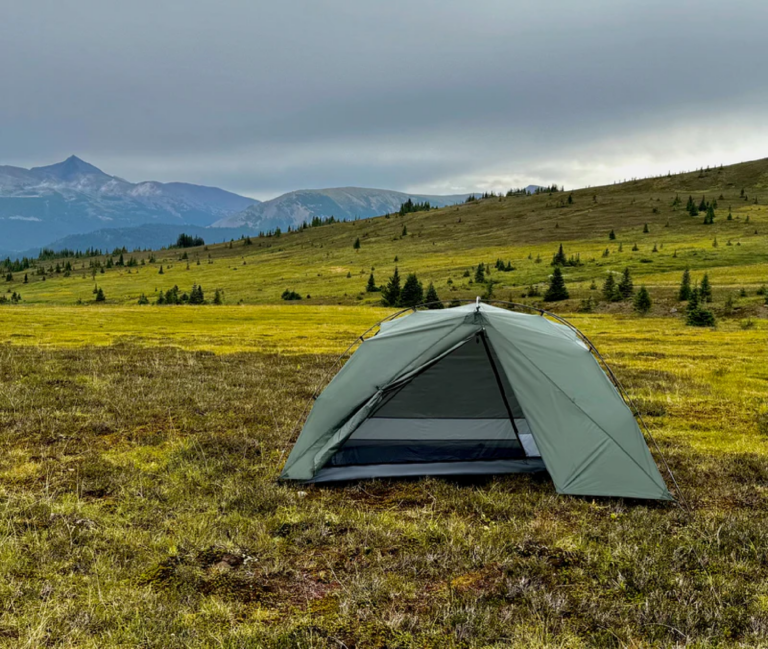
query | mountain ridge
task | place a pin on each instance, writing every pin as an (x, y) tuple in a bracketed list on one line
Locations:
[(46, 203)]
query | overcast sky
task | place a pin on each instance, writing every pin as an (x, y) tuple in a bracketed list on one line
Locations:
[(438, 96)]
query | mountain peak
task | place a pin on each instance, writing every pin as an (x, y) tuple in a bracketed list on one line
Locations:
[(69, 169)]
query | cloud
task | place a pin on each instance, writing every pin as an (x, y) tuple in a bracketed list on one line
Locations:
[(264, 97)]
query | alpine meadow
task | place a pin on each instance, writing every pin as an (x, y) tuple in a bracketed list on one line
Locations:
[(149, 399)]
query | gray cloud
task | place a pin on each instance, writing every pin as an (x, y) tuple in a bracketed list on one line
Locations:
[(264, 97)]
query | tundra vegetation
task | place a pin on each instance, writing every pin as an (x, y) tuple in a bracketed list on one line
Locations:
[(141, 443)]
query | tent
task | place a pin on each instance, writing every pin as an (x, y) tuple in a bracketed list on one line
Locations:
[(475, 390)]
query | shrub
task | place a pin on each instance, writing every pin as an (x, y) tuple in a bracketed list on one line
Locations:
[(290, 295)]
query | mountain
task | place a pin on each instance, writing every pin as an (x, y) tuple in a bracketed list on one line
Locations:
[(43, 204), (343, 202), (147, 236)]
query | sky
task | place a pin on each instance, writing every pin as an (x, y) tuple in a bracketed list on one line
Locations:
[(428, 96)]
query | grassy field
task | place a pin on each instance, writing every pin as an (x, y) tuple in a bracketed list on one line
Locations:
[(140, 445), (141, 508)]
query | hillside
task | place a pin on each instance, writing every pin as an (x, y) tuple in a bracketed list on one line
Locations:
[(444, 245), (42, 204), (343, 203)]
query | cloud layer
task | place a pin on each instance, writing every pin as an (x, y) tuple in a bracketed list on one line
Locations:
[(424, 95)]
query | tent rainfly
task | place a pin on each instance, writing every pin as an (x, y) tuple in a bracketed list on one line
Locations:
[(476, 390)]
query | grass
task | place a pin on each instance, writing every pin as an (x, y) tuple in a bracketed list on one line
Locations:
[(141, 508), (140, 445)]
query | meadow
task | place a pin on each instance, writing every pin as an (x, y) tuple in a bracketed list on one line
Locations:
[(140, 445)]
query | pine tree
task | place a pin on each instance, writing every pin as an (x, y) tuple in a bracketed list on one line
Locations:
[(413, 292), (143, 299), (405, 231), (217, 298), (709, 217), (689, 205), (685, 287), (26, 279), (625, 286), (161, 270), (432, 298), (612, 235), (610, 290), (557, 290), (480, 273), (356, 244), (100, 295), (705, 290), (645, 229), (371, 286), (642, 302), (390, 294), (695, 316), (559, 259), (703, 205)]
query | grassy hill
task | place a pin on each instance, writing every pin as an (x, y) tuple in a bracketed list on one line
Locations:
[(442, 245)]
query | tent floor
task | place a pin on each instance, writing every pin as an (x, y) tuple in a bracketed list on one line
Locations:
[(370, 471)]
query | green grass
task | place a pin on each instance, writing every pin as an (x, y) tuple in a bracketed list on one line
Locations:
[(141, 508)]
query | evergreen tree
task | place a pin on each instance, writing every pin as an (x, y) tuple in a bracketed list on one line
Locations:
[(480, 273), (557, 290), (371, 286), (685, 287), (696, 316), (645, 229), (559, 259), (405, 231), (161, 298), (143, 299), (705, 290), (432, 298), (413, 292), (612, 235), (217, 298), (610, 290), (709, 218), (100, 295), (356, 245), (390, 294), (161, 270), (703, 205), (26, 279), (625, 286), (689, 205), (642, 302)]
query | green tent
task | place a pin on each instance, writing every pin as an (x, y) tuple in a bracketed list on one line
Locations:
[(476, 390)]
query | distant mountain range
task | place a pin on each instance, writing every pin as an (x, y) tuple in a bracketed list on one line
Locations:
[(75, 205), (343, 202), (42, 204)]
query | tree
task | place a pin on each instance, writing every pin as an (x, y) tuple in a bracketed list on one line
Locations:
[(559, 259), (645, 229), (695, 316), (625, 286), (405, 231), (26, 279), (705, 290), (557, 290), (196, 296), (413, 292), (642, 302), (161, 270), (612, 235), (100, 297), (371, 286), (217, 297), (356, 245), (610, 290), (709, 217), (685, 287), (390, 294), (143, 299), (432, 299), (703, 205), (480, 273)]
